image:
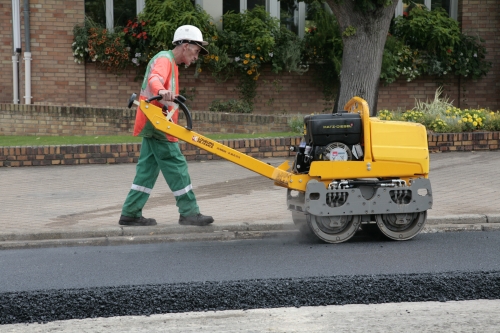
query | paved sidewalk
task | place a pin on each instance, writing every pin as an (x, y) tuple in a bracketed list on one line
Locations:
[(81, 205)]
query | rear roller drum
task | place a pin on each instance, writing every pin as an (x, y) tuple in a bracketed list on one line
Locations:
[(401, 226), (334, 229)]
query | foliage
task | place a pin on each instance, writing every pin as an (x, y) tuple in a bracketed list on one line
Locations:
[(349, 31), (399, 60), (218, 63), (385, 115), (136, 37), (413, 116), (296, 124), (253, 38), (469, 57), (241, 48), (492, 121), (247, 41), (288, 53), (80, 42), (454, 120), (431, 31), (323, 47), (422, 43), (96, 44), (231, 106), (441, 116), (247, 86), (435, 107), (430, 42), (165, 16)]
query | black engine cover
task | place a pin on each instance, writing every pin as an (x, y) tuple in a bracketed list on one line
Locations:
[(342, 127)]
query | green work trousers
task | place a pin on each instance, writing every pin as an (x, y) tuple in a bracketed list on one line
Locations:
[(166, 156)]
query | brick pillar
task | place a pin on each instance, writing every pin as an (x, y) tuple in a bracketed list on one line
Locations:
[(482, 18), (56, 78)]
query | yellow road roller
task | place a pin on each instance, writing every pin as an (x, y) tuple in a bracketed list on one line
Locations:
[(350, 170)]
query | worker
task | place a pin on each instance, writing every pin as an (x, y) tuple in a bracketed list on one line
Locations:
[(159, 151)]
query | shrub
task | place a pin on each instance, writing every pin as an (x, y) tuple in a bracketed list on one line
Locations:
[(442, 117), (424, 42), (437, 106), (399, 60), (433, 45), (96, 44), (136, 36), (492, 121), (231, 106), (165, 16), (296, 124)]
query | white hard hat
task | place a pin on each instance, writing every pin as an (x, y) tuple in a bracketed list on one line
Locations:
[(190, 34)]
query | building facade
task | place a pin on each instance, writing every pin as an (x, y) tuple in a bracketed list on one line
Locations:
[(38, 65)]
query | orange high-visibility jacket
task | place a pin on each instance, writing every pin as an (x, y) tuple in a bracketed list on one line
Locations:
[(162, 73)]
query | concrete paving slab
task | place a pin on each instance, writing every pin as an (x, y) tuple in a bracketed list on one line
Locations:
[(84, 201)]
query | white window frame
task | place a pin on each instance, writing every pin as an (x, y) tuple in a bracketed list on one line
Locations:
[(272, 6), (110, 19), (301, 19), (140, 5), (453, 8)]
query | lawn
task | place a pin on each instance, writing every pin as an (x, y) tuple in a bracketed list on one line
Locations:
[(8, 141)]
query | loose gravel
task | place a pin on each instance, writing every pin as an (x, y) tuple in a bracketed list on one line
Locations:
[(51, 305)]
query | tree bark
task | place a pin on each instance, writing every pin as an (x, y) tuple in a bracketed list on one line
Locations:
[(363, 50)]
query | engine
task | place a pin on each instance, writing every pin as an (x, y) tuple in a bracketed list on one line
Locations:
[(329, 137)]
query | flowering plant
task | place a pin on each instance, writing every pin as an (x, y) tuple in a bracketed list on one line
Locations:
[(249, 39), (96, 44), (413, 116), (136, 36), (440, 116), (385, 115)]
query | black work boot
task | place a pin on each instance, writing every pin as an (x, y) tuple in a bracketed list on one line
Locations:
[(197, 219), (136, 221)]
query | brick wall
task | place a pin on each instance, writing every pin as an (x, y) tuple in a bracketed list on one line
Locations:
[(257, 148), (6, 50), (286, 93), (445, 142), (482, 18), (402, 94), (58, 80), (129, 153), (73, 120)]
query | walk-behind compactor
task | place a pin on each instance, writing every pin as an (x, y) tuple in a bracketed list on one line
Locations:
[(350, 171)]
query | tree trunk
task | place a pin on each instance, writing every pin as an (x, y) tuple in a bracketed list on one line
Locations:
[(363, 50)]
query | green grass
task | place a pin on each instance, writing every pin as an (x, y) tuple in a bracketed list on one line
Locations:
[(8, 141)]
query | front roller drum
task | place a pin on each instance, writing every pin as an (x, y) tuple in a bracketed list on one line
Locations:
[(334, 229), (401, 226)]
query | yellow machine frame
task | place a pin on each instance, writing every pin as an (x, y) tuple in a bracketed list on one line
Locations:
[(391, 150)]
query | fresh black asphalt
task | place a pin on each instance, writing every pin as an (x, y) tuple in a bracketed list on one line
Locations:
[(66, 283)]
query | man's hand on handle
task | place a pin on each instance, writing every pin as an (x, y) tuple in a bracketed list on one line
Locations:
[(167, 95)]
